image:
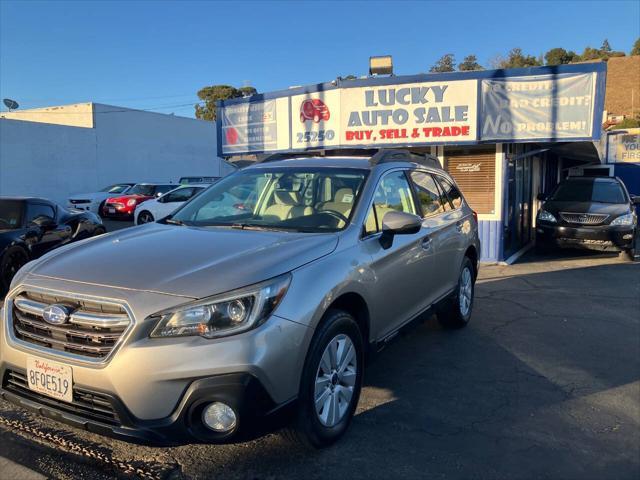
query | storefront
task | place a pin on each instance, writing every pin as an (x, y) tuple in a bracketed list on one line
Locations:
[(504, 135)]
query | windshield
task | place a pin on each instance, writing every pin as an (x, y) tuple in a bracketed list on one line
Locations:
[(295, 199), (140, 189), (10, 214), (115, 188), (589, 191)]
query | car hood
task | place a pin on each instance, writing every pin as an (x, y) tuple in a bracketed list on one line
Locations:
[(611, 209), (186, 261)]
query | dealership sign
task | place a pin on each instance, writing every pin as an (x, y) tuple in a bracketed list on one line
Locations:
[(443, 109)]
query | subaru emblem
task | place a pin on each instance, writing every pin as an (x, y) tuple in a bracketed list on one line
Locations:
[(56, 314)]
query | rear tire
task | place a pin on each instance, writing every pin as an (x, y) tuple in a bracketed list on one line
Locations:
[(456, 312), (101, 209), (145, 217), (99, 231), (331, 382)]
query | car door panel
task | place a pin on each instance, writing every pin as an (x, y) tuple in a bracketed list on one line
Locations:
[(399, 270)]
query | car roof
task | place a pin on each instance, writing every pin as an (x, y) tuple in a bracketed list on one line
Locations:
[(580, 178), (317, 162), (25, 198), (394, 157)]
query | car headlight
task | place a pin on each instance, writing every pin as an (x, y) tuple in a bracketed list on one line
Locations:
[(131, 202), (626, 220), (545, 216), (226, 314)]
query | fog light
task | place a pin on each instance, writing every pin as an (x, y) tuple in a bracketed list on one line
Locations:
[(219, 417)]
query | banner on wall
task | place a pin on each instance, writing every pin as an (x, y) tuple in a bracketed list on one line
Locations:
[(624, 147), (248, 127), (540, 107), (491, 109)]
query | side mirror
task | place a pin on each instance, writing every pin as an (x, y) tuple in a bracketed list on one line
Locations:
[(398, 223), (543, 197), (635, 199), (44, 222)]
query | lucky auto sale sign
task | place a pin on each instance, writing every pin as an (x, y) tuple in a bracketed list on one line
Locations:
[(434, 112), (460, 108)]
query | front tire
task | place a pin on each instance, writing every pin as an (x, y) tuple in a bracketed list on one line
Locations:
[(456, 312), (331, 382)]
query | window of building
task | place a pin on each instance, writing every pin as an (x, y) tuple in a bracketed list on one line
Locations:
[(474, 169)]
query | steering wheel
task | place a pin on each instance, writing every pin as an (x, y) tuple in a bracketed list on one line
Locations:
[(336, 214)]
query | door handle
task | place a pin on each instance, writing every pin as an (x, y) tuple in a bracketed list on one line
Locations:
[(426, 243)]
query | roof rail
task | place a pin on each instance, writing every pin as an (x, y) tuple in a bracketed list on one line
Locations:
[(386, 155), (382, 155)]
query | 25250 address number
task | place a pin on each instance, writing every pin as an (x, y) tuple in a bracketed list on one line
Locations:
[(313, 136)]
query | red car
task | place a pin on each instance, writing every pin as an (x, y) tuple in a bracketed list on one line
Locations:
[(125, 205), (314, 109)]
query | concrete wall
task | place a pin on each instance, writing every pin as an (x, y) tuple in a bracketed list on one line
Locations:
[(55, 161)]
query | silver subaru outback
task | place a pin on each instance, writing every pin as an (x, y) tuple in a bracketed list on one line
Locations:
[(265, 291)]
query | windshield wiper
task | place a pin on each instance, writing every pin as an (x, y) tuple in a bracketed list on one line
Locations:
[(175, 222), (251, 226)]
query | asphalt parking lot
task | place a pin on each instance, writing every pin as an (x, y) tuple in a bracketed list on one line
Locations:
[(544, 383)]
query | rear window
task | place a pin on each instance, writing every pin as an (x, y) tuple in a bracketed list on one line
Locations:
[(589, 191)]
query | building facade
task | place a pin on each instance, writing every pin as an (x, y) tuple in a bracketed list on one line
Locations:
[(58, 151), (504, 135)]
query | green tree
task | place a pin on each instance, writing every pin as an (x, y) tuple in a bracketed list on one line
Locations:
[(446, 63), (605, 48), (349, 77), (210, 95), (636, 48), (517, 59), (247, 91), (470, 63), (559, 56)]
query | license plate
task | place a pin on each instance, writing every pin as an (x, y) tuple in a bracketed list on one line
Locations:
[(50, 378), (111, 210)]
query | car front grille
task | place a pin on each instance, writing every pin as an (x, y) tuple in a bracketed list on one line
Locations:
[(114, 204), (91, 331), (584, 218), (86, 403)]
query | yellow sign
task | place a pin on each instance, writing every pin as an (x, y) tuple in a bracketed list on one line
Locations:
[(625, 147)]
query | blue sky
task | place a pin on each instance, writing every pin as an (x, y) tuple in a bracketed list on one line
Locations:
[(157, 54)]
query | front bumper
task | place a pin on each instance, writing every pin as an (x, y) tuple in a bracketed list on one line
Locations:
[(155, 384), (122, 212), (88, 206), (243, 392), (603, 237)]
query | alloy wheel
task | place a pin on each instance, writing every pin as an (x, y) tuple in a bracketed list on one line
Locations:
[(335, 380), (465, 295)]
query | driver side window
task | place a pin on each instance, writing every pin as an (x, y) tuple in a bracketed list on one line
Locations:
[(35, 210), (393, 193)]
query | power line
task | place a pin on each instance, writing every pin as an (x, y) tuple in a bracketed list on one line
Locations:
[(122, 110)]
